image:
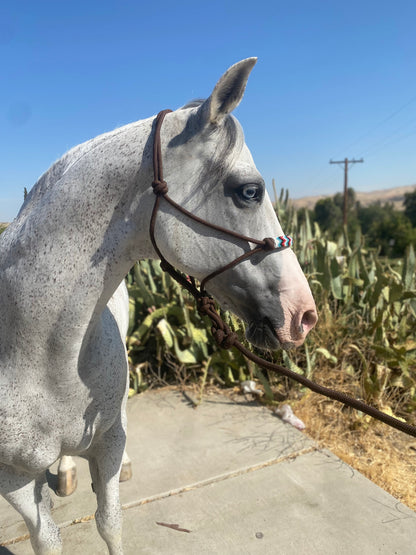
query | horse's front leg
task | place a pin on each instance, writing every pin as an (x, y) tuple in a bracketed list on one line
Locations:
[(32, 500), (105, 464)]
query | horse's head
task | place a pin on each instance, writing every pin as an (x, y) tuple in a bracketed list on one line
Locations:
[(210, 172)]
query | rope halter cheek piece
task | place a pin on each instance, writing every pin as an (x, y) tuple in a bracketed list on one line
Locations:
[(223, 335)]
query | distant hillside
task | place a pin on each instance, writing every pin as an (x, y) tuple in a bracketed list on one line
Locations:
[(394, 195)]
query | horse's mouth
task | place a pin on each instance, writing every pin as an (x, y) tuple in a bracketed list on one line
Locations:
[(263, 334)]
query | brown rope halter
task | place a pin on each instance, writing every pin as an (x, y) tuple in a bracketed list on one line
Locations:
[(222, 333)]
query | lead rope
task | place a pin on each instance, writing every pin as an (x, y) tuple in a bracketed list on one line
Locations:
[(222, 333)]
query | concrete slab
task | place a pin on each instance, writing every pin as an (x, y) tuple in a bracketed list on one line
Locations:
[(239, 480)]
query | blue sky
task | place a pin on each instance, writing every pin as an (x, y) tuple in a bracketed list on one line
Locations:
[(333, 80)]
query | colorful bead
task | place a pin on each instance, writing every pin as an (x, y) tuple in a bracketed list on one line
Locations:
[(283, 241)]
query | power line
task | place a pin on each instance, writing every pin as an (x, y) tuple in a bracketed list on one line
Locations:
[(382, 122), (393, 139), (346, 162)]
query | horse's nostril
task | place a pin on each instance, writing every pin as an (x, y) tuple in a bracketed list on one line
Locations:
[(309, 320)]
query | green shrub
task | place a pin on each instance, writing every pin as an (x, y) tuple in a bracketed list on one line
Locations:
[(367, 309), (168, 340)]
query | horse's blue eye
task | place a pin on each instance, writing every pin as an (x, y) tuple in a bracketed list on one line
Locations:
[(250, 192)]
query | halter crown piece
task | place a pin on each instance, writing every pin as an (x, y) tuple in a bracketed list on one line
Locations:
[(223, 335)]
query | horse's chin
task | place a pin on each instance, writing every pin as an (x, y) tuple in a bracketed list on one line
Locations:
[(261, 334)]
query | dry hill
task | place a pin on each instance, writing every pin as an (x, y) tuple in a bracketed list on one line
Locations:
[(394, 195)]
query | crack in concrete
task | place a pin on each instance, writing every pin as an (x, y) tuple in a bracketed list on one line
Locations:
[(184, 489)]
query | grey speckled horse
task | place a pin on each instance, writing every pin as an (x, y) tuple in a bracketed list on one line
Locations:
[(63, 378)]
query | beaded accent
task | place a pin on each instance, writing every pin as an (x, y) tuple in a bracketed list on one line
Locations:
[(283, 241)]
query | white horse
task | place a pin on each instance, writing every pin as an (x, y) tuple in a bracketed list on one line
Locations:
[(63, 379)]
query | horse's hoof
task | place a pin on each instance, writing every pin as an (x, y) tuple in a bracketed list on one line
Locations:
[(126, 472), (67, 481)]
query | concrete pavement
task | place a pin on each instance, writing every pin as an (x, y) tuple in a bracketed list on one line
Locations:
[(228, 477)]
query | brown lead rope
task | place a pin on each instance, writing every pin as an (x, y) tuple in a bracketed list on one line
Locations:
[(223, 335)]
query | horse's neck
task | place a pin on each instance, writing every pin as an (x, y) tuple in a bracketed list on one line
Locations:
[(76, 238)]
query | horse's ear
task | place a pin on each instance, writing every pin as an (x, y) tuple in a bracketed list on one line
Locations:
[(228, 92)]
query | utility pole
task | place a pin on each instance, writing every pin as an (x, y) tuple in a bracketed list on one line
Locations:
[(346, 162)]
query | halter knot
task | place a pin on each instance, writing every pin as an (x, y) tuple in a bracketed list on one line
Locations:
[(269, 244), (160, 187), (225, 338), (206, 306)]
